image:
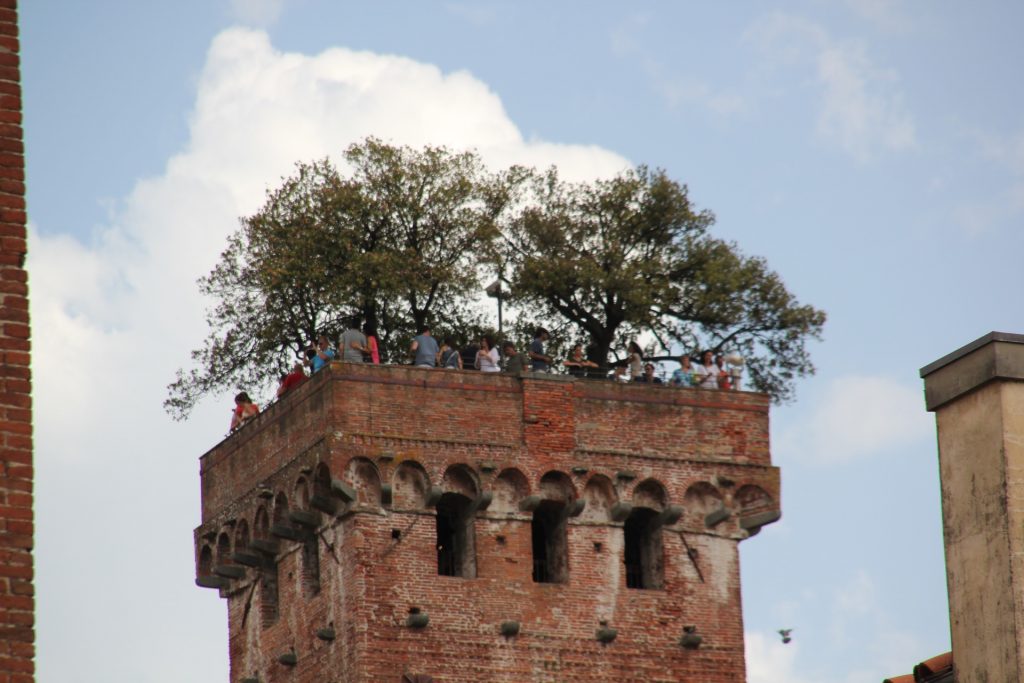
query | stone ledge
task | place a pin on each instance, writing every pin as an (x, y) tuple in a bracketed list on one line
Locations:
[(997, 355)]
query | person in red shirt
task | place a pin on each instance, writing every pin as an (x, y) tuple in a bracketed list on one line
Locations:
[(293, 379), (724, 380), (371, 343)]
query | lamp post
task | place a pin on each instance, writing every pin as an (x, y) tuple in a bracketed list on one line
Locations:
[(735, 362), (495, 291)]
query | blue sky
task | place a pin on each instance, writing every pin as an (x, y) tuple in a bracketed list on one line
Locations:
[(871, 151)]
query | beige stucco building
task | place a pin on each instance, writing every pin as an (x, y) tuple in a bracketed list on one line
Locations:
[(977, 395)]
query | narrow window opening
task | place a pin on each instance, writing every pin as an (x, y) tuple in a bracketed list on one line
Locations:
[(455, 539), (268, 572), (550, 543), (311, 564), (268, 592), (643, 549)]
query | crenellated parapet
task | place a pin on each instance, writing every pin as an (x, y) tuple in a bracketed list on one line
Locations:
[(419, 517)]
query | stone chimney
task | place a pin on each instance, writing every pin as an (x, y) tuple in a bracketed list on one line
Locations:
[(977, 395)]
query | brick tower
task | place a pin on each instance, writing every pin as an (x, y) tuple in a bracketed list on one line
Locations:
[(17, 615), (397, 523)]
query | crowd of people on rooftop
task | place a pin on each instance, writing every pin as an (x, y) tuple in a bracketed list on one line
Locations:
[(361, 346)]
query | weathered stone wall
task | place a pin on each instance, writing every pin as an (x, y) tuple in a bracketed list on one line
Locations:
[(17, 602), (981, 446), (395, 439)]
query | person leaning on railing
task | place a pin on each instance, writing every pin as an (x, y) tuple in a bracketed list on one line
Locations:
[(244, 411), (685, 375), (577, 365)]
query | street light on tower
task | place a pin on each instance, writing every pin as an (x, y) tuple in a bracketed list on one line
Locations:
[(495, 291)]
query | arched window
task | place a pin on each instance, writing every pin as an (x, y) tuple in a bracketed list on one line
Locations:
[(205, 561), (261, 525), (456, 554), (242, 536), (223, 549), (550, 542), (322, 481), (280, 509), (643, 548)]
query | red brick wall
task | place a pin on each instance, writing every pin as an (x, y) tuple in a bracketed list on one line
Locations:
[(17, 635), (412, 430)]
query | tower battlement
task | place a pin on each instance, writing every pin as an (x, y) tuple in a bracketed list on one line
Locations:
[(383, 521)]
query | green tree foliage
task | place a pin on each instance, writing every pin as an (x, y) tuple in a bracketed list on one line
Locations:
[(398, 243), (404, 236), (628, 255)]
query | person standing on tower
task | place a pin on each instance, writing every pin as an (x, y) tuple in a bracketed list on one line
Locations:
[(514, 362), (539, 361), (353, 344), (371, 343), (321, 355), (707, 372), (424, 349), (487, 359), (293, 379)]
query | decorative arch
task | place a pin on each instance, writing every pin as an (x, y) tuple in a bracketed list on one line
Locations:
[(322, 481), (300, 494), (702, 498), (261, 523), (753, 499), (599, 496), (461, 479), (280, 508), (241, 535), (556, 485), (205, 561), (410, 485), (365, 479), (510, 487), (223, 549), (650, 493)]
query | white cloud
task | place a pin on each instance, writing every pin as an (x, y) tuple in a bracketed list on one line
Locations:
[(858, 596), (769, 660), (478, 14), (862, 624), (1008, 150), (859, 416), (256, 12), (113, 318), (856, 640), (854, 113), (1002, 154), (678, 89), (888, 15), (861, 108)]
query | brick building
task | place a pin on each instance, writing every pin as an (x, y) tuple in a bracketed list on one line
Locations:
[(17, 602), (398, 523)]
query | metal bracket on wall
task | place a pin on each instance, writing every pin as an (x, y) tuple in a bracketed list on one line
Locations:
[(692, 554)]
